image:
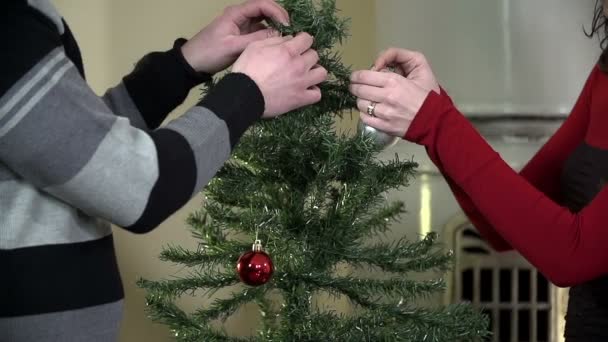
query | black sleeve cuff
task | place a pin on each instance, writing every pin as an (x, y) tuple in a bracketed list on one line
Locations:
[(194, 76), (160, 82), (238, 101)]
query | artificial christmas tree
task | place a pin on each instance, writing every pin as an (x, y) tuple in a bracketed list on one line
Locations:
[(314, 199)]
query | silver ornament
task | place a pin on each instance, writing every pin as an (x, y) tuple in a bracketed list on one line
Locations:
[(380, 138)]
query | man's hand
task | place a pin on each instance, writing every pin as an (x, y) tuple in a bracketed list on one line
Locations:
[(219, 44), (286, 71)]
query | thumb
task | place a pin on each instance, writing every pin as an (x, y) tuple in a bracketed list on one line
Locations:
[(406, 60)]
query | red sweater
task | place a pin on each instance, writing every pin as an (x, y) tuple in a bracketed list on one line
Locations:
[(523, 211)]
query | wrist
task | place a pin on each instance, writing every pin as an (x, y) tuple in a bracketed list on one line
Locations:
[(238, 101), (424, 121), (186, 59)]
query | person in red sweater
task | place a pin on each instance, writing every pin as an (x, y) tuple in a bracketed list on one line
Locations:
[(554, 212)]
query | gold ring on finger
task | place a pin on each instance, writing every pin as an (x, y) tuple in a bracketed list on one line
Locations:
[(371, 109)]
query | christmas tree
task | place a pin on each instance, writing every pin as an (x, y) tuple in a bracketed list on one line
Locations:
[(315, 198)]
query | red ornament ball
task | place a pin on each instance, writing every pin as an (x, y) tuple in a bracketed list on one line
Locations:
[(255, 268)]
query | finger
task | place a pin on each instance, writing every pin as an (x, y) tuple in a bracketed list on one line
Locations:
[(257, 27), (368, 92), (310, 58), (408, 60), (376, 122), (285, 13), (388, 57), (311, 96), (316, 76), (261, 35), (380, 109), (372, 78), (283, 10), (259, 8), (273, 41), (395, 70), (300, 44)]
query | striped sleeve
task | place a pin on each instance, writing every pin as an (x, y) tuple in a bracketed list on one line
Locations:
[(58, 135), (159, 83)]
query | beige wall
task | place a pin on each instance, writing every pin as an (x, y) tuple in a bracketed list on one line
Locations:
[(89, 23), (113, 35)]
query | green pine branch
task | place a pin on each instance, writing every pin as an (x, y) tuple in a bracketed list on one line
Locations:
[(399, 259), (459, 323), (223, 308), (315, 197), (174, 288), (372, 290), (208, 255)]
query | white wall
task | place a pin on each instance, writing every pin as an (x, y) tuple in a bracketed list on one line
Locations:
[(499, 56)]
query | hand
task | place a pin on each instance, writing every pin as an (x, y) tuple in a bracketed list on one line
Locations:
[(219, 44), (286, 71), (398, 96), (410, 64)]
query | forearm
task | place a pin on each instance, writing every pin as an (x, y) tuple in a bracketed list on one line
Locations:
[(552, 238), (159, 83), (62, 138)]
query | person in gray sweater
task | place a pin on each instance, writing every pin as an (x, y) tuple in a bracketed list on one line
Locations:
[(72, 163)]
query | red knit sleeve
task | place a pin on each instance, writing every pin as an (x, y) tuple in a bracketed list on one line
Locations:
[(521, 208), (544, 169)]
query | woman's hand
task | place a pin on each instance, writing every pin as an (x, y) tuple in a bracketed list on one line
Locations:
[(395, 97)]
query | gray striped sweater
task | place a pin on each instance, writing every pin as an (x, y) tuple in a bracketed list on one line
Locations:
[(71, 163)]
